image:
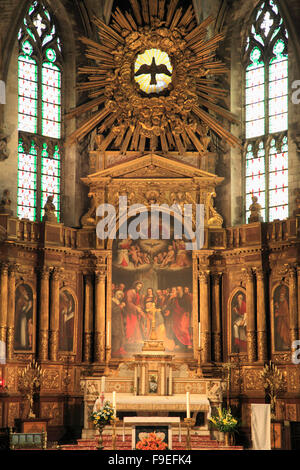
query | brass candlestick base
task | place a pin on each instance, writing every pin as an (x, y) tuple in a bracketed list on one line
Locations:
[(107, 359), (114, 434), (189, 422)]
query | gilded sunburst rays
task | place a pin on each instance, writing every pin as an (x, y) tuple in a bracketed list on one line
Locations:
[(128, 107)]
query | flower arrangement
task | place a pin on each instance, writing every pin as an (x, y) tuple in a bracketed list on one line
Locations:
[(104, 416), (152, 442), (224, 421)]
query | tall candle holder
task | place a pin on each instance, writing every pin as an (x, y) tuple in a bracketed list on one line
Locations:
[(107, 359), (190, 423), (199, 368), (114, 433)]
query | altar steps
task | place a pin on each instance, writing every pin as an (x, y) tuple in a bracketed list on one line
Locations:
[(197, 443)]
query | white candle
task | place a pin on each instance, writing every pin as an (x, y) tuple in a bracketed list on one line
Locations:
[(102, 384), (114, 404), (199, 335), (108, 334), (188, 414)]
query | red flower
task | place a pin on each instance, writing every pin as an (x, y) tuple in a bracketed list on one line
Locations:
[(151, 442)]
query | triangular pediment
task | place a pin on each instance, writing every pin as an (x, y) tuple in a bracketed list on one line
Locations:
[(152, 166)]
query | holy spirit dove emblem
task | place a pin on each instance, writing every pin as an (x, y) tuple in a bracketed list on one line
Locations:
[(153, 71)]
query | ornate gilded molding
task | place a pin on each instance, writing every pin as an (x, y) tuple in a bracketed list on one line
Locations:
[(172, 119)]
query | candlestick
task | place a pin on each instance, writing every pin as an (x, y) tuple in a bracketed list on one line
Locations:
[(188, 414), (199, 333), (108, 334), (102, 384), (189, 422)]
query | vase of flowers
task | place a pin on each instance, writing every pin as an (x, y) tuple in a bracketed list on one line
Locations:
[(152, 442), (102, 418), (224, 422)]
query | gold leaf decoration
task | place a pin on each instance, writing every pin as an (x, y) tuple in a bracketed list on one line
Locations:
[(128, 110)]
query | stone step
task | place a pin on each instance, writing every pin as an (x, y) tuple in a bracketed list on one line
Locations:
[(197, 443)]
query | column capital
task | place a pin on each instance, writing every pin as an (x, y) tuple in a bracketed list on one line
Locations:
[(204, 276), (13, 269), (260, 274), (4, 268), (44, 272), (100, 274), (216, 277), (56, 274), (247, 274)]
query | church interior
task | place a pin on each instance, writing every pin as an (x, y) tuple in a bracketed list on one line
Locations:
[(160, 103)]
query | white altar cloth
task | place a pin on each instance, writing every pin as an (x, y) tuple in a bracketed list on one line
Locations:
[(196, 401)]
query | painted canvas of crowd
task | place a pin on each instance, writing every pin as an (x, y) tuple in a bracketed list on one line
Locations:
[(132, 310)]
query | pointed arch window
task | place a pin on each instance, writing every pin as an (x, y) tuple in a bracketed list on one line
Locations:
[(39, 113), (266, 112)]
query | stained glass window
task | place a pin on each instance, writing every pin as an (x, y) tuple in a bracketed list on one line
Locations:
[(39, 84), (51, 177), (266, 113), (27, 182)]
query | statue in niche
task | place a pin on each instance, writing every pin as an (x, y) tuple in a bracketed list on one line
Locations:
[(6, 203), (214, 219), (49, 209), (255, 210), (89, 219)]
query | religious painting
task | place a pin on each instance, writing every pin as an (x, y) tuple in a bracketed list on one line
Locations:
[(238, 322), (24, 321), (151, 277), (67, 310), (281, 318), (151, 437)]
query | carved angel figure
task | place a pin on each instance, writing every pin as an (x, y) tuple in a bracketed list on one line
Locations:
[(214, 219)]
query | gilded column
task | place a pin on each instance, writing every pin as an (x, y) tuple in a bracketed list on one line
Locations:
[(88, 318), (11, 311), (3, 301), (170, 391), (261, 317), (205, 317), (216, 318), (54, 314), (44, 314), (99, 350), (293, 303), (143, 385), (251, 334)]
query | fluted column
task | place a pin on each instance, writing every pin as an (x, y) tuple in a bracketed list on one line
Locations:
[(54, 314), (216, 318), (205, 317), (88, 318), (44, 314), (251, 334), (261, 317), (100, 316), (11, 311), (293, 303), (3, 301)]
